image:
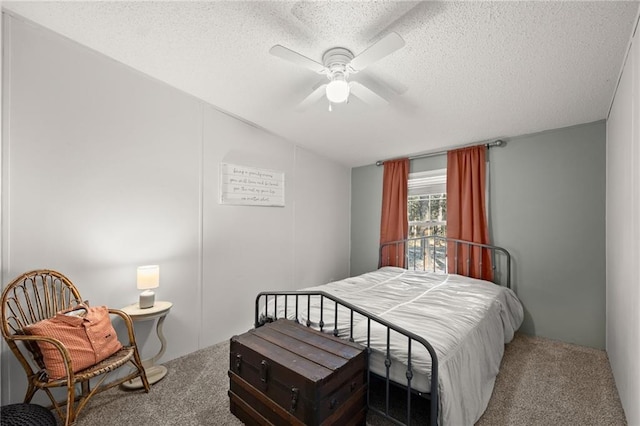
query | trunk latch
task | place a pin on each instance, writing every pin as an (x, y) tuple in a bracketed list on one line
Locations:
[(294, 399), (264, 371)]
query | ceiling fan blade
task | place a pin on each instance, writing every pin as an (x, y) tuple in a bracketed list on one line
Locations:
[(366, 95), (318, 93), (296, 58), (385, 85), (383, 47)]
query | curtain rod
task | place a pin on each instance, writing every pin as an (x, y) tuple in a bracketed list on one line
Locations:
[(498, 142)]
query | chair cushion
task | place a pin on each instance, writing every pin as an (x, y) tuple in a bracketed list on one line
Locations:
[(86, 332)]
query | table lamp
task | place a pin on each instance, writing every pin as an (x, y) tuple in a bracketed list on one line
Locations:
[(148, 278)]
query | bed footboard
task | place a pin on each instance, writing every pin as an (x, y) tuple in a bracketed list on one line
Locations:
[(282, 304)]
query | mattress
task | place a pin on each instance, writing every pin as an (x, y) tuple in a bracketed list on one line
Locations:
[(467, 321)]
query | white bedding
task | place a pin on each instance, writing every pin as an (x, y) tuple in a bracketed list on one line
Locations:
[(467, 321)]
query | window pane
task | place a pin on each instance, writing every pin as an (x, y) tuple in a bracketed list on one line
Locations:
[(427, 216)]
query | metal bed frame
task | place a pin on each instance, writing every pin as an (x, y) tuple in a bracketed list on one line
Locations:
[(269, 300), (428, 245)]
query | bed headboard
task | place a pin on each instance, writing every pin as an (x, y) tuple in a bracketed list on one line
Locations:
[(429, 253)]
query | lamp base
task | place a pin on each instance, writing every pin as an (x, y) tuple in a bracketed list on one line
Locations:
[(147, 299)]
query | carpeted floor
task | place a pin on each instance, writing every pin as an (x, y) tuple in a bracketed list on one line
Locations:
[(541, 382), (545, 382)]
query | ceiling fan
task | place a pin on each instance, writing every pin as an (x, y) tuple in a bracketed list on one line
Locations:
[(338, 63)]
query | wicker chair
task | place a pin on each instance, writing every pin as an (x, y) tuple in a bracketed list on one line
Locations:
[(38, 295)]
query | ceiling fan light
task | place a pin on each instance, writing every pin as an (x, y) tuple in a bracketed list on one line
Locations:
[(338, 91)]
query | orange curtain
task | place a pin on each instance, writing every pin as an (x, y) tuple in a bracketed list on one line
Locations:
[(466, 212), (394, 225)]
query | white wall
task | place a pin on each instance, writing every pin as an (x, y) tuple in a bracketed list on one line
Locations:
[(105, 169), (304, 243), (623, 235), (1, 136), (317, 253)]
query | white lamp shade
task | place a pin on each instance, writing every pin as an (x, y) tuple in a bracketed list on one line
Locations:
[(338, 91), (148, 277)]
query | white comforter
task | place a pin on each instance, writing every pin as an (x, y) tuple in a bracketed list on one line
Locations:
[(467, 321)]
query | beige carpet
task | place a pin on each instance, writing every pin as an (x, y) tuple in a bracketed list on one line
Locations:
[(541, 382), (545, 382)]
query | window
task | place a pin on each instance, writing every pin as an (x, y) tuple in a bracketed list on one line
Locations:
[(427, 210)]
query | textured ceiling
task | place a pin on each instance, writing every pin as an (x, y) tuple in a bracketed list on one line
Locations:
[(469, 72)]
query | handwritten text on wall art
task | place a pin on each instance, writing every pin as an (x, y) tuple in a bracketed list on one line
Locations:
[(250, 186)]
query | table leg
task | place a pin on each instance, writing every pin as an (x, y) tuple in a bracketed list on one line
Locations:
[(163, 341), (154, 372)]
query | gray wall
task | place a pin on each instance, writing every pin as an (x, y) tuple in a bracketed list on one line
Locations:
[(105, 169), (547, 207), (366, 202)]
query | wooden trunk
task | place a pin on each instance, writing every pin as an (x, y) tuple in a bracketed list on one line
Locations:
[(284, 373)]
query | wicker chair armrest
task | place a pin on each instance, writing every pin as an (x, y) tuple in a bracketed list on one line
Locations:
[(37, 338), (66, 356), (127, 321)]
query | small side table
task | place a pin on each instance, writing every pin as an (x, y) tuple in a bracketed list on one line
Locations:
[(154, 372)]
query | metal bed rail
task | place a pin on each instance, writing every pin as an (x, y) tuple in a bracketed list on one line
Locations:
[(432, 250), (265, 311)]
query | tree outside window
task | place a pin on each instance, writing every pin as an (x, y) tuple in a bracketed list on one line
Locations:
[(427, 211)]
